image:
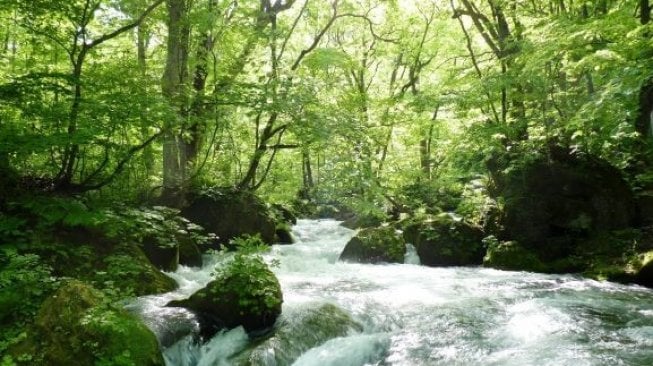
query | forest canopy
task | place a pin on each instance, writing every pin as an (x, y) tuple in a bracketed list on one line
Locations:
[(341, 98)]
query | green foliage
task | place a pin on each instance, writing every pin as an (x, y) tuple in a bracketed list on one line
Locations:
[(248, 276), (79, 325), (52, 211), (249, 245), (163, 224), (25, 281), (432, 196)]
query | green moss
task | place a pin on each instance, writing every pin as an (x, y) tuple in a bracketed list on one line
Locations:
[(442, 241), (381, 244), (511, 256), (245, 292), (78, 326)]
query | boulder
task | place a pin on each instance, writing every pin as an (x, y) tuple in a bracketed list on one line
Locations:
[(375, 245), (90, 255), (645, 207), (76, 326), (511, 256), (286, 214), (164, 256), (189, 253), (245, 292), (297, 331), (230, 213), (644, 276), (128, 268), (553, 202), (444, 241), (283, 235)]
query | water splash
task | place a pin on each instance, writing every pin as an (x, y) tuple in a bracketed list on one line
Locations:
[(416, 315)]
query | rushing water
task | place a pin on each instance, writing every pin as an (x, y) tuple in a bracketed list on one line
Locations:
[(414, 315)]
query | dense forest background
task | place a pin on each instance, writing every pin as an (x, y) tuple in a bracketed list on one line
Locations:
[(343, 99), (112, 109)]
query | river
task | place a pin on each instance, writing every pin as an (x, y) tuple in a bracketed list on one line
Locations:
[(414, 315)]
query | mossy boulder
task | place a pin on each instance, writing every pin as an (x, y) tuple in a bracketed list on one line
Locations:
[(297, 331), (375, 245), (557, 199), (283, 234), (189, 253), (90, 255), (128, 268), (231, 213), (444, 241), (284, 213), (164, 256), (245, 292), (511, 256), (76, 326)]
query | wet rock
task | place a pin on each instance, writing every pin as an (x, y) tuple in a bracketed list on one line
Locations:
[(245, 292), (231, 213), (445, 241), (375, 245), (298, 331), (76, 326)]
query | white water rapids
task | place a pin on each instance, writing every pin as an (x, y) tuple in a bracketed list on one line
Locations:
[(414, 315)]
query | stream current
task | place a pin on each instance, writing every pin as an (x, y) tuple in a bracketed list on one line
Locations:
[(415, 315)]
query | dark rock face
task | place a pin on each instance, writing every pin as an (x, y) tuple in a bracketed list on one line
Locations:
[(645, 208), (443, 241), (72, 329), (163, 257), (229, 214), (552, 203), (375, 245), (189, 253), (644, 276), (245, 292), (283, 235)]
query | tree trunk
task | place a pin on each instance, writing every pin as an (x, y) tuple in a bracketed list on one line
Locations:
[(307, 172), (142, 40), (425, 148), (644, 12), (175, 78)]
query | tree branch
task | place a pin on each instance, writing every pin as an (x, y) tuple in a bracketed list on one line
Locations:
[(121, 164), (124, 28)]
